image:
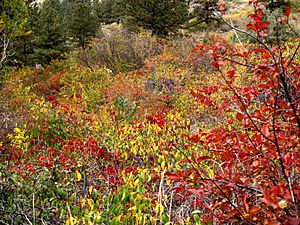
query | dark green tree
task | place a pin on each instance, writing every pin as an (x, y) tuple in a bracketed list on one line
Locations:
[(49, 33), (276, 4), (106, 11), (203, 11), (25, 43), (81, 21), (162, 17), (277, 30)]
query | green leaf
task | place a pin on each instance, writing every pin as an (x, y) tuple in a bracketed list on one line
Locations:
[(75, 210), (197, 218)]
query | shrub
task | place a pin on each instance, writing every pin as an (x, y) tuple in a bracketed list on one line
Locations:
[(254, 152), (119, 50), (8, 122)]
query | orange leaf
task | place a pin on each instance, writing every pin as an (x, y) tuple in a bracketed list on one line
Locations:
[(254, 209)]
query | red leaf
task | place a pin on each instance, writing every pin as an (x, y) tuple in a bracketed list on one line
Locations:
[(199, 45), (195, 50), (269, 202), (177, 189), (238, 55), (293, 221), (259, 50), (231, 73), (259, 115), (266, 55), (240, 116), (197, 192), (251, 27), (265, 130), (173, 177), (214, 64), (288, 11), (202, 158), (184, 160), (194, 138), (255, 163), (222, 7), (263, 25)]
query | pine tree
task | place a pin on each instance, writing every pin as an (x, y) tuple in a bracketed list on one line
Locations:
[(276, 4), (162, 17), (48, 31), (202, 11), (82, 21), (106, 13)]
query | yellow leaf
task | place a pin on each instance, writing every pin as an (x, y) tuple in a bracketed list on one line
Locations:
[(79, 176), (136, 182), (282, 204), (124, 155), (91, 203), (163, 165), (71, 221), (211, 173), (17, 130), (1, 25), (82, 202), (90, 189), (133, 208), (159, 208), (168, 182)]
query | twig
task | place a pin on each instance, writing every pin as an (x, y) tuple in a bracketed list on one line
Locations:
[(33, 208), (249, 34), (237, 37), (170, 207), (215, 184)]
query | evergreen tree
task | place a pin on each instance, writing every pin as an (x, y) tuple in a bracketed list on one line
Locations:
[(46, 21), (106, 12), (277, 4), (160, 16), (25, 43), (82, 21), (202, 11)]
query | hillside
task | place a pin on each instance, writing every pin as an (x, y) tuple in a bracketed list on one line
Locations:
[(138, 128)]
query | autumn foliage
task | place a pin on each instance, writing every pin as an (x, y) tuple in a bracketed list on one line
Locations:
[(178, 141), (257, 179)]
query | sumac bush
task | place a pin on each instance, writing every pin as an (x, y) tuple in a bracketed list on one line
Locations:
[(254, 154)]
